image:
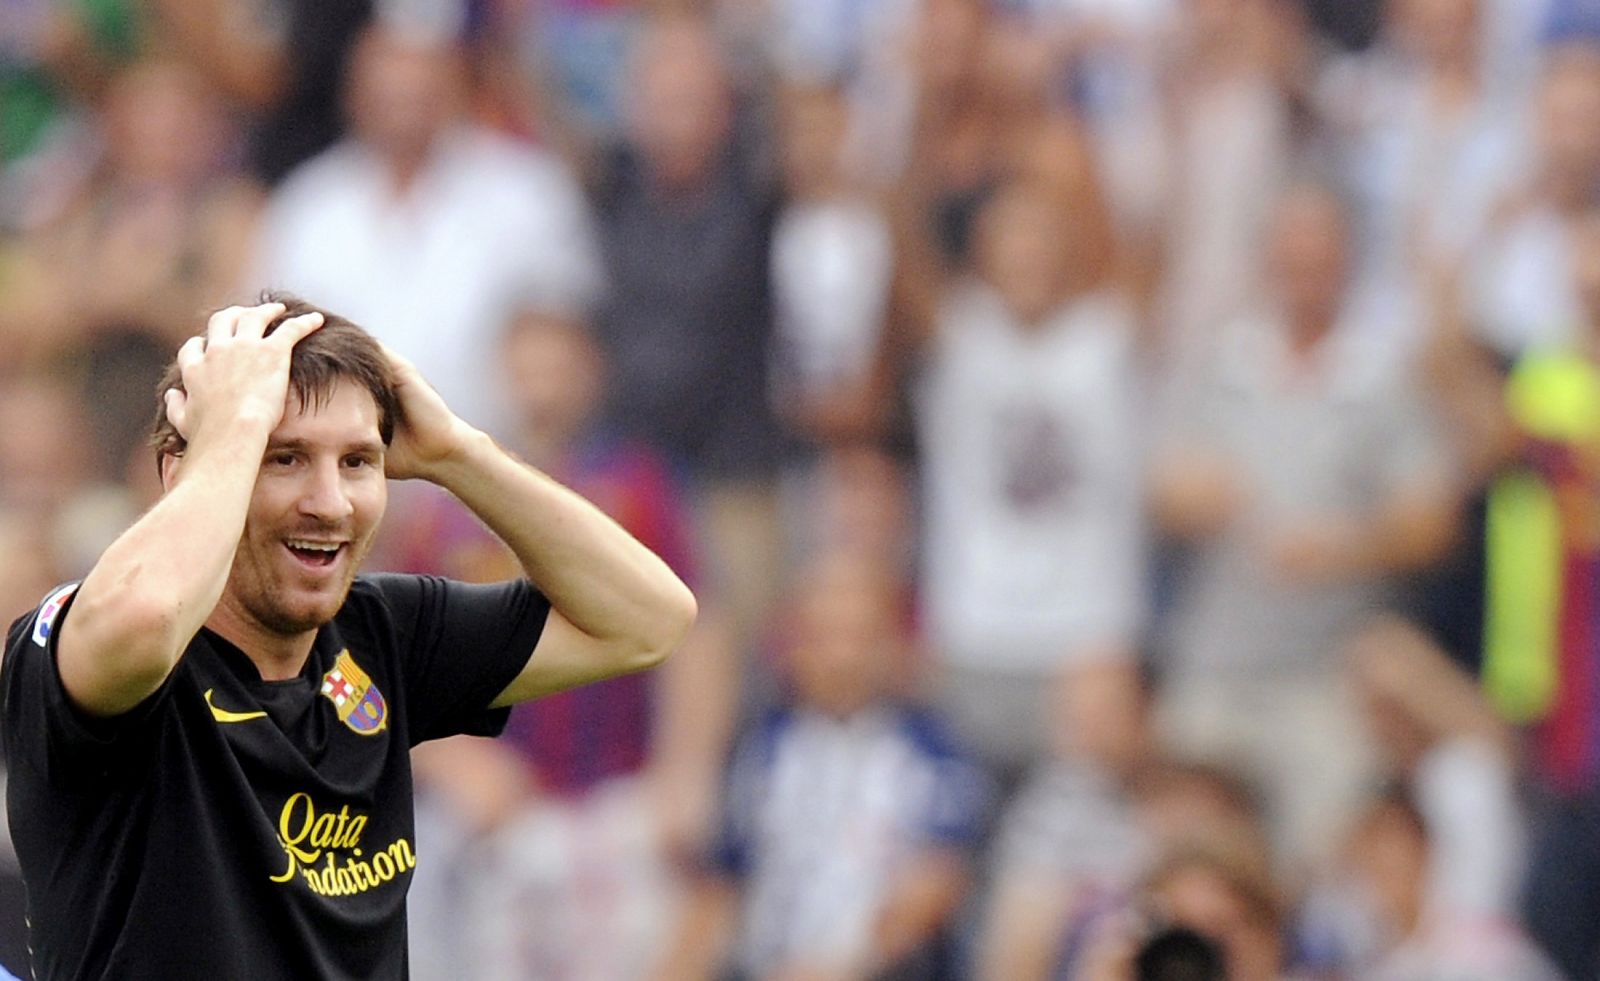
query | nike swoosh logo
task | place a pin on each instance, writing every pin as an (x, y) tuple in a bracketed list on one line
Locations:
[(223, 715)]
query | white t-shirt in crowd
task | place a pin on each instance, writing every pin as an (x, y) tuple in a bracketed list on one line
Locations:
[(435, 271), (1031, 462)]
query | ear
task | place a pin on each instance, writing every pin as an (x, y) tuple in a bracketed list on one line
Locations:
[(169, 470)]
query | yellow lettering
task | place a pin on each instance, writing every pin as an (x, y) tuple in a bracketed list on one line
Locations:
[(322, 832), (287, 817), (307, 836), (400, 850)]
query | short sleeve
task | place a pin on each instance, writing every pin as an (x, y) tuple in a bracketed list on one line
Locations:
[(39, 725), (954, 809), (461, 644)]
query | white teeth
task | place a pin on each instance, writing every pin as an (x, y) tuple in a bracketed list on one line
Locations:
[(314, 546)]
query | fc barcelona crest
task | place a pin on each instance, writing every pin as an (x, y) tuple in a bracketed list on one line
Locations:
[(357, 700)]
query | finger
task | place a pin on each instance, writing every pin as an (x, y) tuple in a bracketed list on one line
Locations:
[(177, 408), (191, 352), (399, 362), (222, 323), (295, 329), (254, 321)]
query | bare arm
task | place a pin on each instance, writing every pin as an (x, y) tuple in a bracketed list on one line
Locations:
[(615, 606), (924, 899), (154, 587), (1022, 937), (705, 932)]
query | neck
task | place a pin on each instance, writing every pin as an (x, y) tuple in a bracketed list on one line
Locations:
[(1307, 329), (276, 656)]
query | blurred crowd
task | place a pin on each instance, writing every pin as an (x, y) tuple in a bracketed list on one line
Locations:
[(1139, 460)]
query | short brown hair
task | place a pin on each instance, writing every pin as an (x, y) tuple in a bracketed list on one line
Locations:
[(338, 350)]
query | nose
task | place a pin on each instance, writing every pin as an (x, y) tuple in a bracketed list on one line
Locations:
[(324, 495)]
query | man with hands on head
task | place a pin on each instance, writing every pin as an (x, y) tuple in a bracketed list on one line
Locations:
[(209, 735)]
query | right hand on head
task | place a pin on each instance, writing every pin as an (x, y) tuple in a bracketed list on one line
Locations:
[(235, 371)]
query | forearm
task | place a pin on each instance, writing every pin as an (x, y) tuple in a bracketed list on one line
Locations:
[(922, 902), (1409, 535), (154, 587), (595, 574)]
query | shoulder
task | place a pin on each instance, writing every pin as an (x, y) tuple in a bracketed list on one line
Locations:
[(38, 624), (328, 173), (515, 160), (927, 731)]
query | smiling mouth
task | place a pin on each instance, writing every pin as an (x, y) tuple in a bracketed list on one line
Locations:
[(317, 555)]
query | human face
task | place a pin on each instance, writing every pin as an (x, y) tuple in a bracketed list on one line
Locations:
[(317, 502)]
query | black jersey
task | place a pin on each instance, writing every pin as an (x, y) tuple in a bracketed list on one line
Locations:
[(230, 827)]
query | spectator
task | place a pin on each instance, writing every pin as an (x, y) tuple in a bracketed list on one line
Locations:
[(1539, 660), (686, 211), (1028, 429), (1518, 286), (1232, 132), (1306, 480), (850, 817), (832, 265), (157, 235), (1431, 141), (1219, 892), (54, 59), (285, 67), (1439, 858), (426, 226), (1072, 840)]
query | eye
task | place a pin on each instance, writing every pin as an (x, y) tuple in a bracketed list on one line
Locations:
[(281, 458), (359, 461)]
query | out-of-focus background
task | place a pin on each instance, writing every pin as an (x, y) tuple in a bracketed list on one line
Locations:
[(1139, 459)]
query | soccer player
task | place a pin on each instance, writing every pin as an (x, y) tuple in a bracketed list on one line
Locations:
[(208, 736)]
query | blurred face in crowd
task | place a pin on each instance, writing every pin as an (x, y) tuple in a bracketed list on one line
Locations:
[(403, 92), (845, 634), (1309, 256), (1024, 249), (554, 373), (680, 107), (1209, 901), (1179, 804), (948, 40), (317, 502), (161, 126), (1569, 123), (1437, 32)]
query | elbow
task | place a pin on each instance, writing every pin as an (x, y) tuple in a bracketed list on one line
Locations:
[(679, 610), (142, 627)]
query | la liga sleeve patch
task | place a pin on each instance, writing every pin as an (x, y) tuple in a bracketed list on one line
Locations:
[(49, 611)]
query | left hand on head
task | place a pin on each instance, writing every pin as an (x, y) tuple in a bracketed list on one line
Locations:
[(428, 434)]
